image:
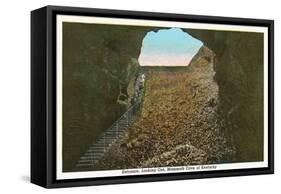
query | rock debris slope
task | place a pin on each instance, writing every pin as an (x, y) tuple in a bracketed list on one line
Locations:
[(178, 125)]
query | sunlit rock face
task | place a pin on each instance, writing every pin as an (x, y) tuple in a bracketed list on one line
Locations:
[(168, 47)]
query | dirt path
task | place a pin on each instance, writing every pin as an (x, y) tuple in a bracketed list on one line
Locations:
[(178, 124)]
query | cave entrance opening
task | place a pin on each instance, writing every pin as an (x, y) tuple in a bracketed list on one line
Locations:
[(168, 47)]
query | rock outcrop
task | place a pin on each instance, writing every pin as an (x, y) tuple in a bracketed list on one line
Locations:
[(239, 74)]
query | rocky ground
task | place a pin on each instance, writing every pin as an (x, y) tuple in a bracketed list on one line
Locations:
[(178, 124)]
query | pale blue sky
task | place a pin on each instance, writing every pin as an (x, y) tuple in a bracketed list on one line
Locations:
[(168, 47)]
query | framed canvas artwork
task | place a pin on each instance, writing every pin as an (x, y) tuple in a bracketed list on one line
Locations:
[(125, 96)]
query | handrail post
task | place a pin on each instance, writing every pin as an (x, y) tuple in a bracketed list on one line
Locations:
[(117, 129), (104, 143), (127, 117)]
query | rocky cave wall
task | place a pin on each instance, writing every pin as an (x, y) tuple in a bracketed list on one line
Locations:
[(239, 74), (100, 61)]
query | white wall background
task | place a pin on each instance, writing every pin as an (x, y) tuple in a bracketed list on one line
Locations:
[(15, 95)]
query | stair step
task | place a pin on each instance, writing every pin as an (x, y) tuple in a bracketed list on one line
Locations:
[(94, 153), (86, 164), (106, 141), (102, 143), (95, 149), (85, 161), (111, 132), (112, 136), (91, 157)]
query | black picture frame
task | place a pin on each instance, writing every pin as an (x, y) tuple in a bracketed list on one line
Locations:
[(43, 95)]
